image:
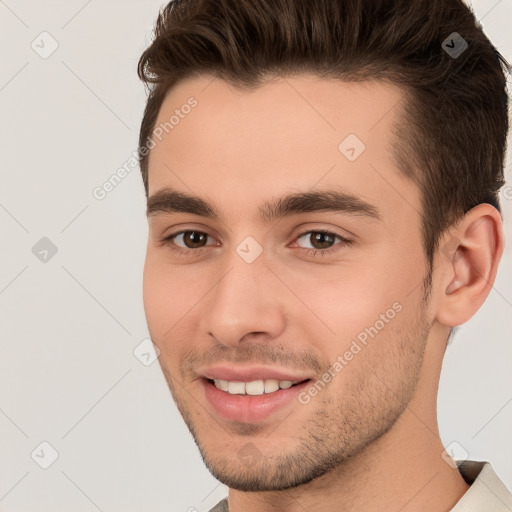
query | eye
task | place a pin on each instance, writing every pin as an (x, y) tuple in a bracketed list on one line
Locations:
[(322, 241), (193, 241)]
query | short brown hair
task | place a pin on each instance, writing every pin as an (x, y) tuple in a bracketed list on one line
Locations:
[(454, 128)]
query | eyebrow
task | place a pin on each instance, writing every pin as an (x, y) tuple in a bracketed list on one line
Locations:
[(168, 200)]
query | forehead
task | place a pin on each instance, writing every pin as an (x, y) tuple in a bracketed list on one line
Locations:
[(294, 133)]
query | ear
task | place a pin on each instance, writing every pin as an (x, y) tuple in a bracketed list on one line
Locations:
[(468, 261)]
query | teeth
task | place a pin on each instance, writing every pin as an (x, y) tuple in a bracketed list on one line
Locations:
[(222, 384), (255, 387), (236, 388), (271, 385)]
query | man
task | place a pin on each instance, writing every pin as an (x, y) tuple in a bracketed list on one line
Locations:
[(322, 181)]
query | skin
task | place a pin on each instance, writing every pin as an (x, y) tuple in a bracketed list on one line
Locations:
[(369, 440)]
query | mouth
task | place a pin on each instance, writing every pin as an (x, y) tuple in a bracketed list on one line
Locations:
[(252, 401), (254, 387)]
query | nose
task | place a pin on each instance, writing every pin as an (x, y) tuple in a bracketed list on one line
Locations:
[(246, 303)]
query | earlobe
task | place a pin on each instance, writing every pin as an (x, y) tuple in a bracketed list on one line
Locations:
[(467, 273)]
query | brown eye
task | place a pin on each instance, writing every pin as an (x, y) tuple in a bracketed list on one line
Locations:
[(194, 239), (320, 239), (186, 240), (323, 243)]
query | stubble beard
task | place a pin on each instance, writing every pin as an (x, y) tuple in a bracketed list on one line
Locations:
[(340, 427)]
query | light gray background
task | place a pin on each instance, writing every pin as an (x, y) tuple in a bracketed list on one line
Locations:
[(69, 326)]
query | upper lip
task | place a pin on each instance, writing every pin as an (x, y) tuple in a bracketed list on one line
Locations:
[(250, 373)]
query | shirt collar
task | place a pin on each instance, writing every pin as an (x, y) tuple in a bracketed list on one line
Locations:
[(487, 491)]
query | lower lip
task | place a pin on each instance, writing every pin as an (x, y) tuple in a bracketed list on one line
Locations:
[(250, 408)]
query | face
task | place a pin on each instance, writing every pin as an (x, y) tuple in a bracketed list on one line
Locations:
[(321, 291)]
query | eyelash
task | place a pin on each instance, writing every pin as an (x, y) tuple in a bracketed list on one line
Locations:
[(309, 252)]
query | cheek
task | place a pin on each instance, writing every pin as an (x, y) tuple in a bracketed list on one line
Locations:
[(158, 295), (170, 296), (346, 301), (383, 353), (366, 302)]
